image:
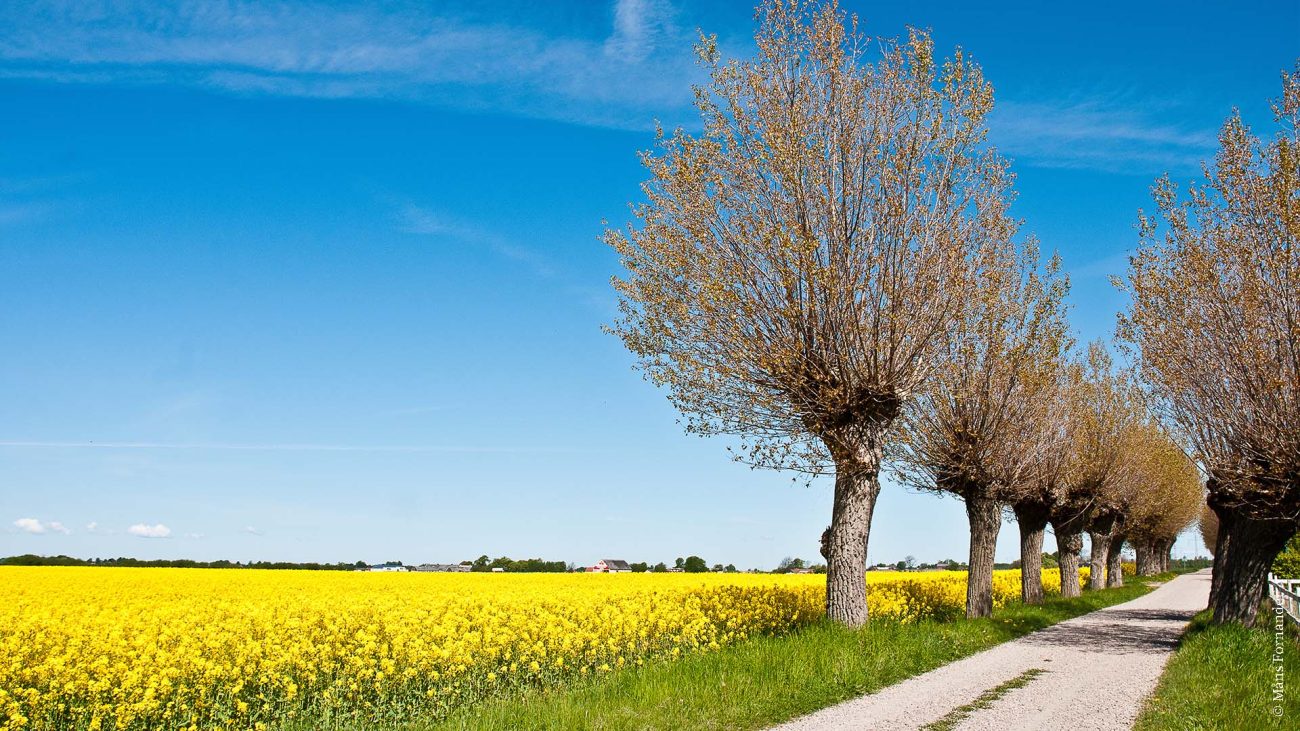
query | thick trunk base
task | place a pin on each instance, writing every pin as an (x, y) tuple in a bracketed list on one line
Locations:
[(1067, 556), (1251, 547), (985, 518), (1100, 549), (1032, 520), (1115, 562), (856, 489), (1100, 527), (1221, 549)]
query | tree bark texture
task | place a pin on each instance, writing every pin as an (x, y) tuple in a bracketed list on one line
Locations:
[(1068, 522), (1099, 530), (1032, 519), (1146, 558), (1115, 562), (1221, 549), (1251, 547), (985, 516), (1068, 546), (857, 485)]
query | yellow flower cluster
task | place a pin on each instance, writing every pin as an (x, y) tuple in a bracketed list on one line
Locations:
[(100, 648)]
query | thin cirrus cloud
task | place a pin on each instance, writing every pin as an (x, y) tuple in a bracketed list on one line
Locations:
[(639, 64), (423, 221), (631, 64), (144, 530), (1098, 131), (38, 527)]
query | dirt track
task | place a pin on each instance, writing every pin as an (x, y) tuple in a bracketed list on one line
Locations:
[(1092, 673)]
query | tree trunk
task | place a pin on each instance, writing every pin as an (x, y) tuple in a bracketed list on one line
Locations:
[(1115, 562), (1099, 531), (1067, 556), (1099, 548), (1221, 549), (1252, 546), (1032, 519), (985, 516), (1146, 555), (1068, 523), (857, 485)]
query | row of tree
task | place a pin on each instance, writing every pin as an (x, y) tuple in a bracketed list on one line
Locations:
[(830, 273), (1215, 328), (29, 559)]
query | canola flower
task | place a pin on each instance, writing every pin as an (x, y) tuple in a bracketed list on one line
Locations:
[(123, 648)]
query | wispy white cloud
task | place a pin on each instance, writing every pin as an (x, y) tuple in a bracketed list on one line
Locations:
[(639, 27), (640, 67), (425, 221), (1112, 132), (16, 213), (250, 530), (37, 527), (144, 530)]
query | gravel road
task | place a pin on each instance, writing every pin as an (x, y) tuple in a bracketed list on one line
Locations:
[(1085, 674)]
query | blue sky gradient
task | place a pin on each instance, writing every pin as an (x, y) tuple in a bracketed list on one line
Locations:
[(301, 281)]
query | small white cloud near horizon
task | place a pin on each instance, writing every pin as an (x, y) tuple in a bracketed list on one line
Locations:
[(250, 530), (145, 530), (36, 527), (91, 526), (194, 535)]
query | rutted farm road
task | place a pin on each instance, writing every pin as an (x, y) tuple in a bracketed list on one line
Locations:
[(1090, 672)]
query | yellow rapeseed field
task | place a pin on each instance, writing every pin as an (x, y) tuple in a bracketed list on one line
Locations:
[(121, 648)]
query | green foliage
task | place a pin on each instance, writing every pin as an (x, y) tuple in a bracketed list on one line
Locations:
[(1049, 561), (695, 565), (522, 566), (640, 567), (1287, 563), (1223, 676)]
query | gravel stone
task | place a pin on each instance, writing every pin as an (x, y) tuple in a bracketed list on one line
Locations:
[(1098, 670)]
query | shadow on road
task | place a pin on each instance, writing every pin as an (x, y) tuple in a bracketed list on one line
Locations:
[(1119, 631)]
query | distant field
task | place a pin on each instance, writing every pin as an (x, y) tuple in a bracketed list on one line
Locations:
[(90, 648)]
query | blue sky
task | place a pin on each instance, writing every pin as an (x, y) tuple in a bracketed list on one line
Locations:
[(304, 281)]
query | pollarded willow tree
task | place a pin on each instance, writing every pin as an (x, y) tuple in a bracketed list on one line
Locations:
[(799, 264), (1042, 484), (974, 431), (1168, 498), (1215, 318), (1102, 405)]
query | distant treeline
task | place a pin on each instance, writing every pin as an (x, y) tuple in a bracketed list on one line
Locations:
[(182, 563), (520, 566)]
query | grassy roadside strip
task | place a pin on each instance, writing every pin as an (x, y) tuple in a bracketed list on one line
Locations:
[(772, 679), (1223, 677)]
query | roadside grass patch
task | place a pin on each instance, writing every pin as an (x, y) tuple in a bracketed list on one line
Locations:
[(1223, 677), (768, 680), (985, 700)]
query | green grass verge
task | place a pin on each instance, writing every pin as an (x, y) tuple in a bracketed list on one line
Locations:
[(767, 680), (985, 700), (1222, 677)]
